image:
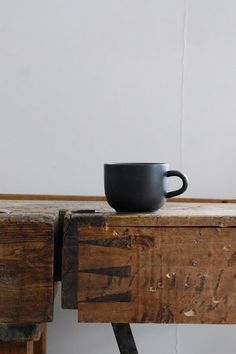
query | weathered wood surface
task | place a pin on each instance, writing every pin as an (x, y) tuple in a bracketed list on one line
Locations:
[(21, 332), (104, 265), (26, 267), (51, 197), (69, 264), (172, 214), (40, 346), (23, 339), (178, 215), (50, 207), (17, 348), (158, 274), (30, 257)]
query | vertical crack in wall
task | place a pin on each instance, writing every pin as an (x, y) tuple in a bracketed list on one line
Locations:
[(183, 58), (176, 339)]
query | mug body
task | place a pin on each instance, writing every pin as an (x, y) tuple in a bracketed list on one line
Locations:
[(135, 187)]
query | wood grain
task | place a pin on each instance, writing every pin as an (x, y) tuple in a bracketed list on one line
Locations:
[(26, 267), (160, 275), (23, 339), (51, 197), (21, 332), (16, 348), (40, 346), (69, 263), (178, 215), (211, 214), (47, 197), (175, 265)]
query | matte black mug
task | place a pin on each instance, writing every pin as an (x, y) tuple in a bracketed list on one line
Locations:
[(139, 187)]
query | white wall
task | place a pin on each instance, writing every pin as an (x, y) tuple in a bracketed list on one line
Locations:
[(83, 82)]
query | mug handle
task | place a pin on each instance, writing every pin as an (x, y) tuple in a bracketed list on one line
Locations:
[(180, 190)]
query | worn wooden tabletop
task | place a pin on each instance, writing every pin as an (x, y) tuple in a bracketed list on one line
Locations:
[(172, 214), (175, 265)]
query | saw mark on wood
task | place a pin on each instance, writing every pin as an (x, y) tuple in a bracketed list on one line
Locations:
[(218, 282), (121, 297)]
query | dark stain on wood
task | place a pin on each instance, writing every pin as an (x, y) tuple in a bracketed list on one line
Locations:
[(145, 241), (117, 242), (83, 211), (232, 259), (93, 220), (187, 284), (173, 280), (211, 307), (164, 315), (199, 288), (111, 271), (224, 318), (18, 332), (26, 267), (144, 317), (70, 264)]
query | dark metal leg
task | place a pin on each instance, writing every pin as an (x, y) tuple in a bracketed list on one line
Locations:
[(124, 338)]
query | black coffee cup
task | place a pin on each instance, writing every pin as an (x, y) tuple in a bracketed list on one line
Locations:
[(139, 187)]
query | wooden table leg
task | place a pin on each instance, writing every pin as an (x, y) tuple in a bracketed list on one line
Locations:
[(40, 346), (17, 347), (124, 338), (23, 339)]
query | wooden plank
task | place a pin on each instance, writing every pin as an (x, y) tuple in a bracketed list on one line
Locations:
[(200, 200), (69, 264), (23, 339), (176, 275), (172, 214), (52, 206), (51, 197), (20, 332), (16, 348), (40, 346), (26, 267), (116, 244), (178, 215)]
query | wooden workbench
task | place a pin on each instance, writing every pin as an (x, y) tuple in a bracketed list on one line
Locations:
[(177, 265)]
